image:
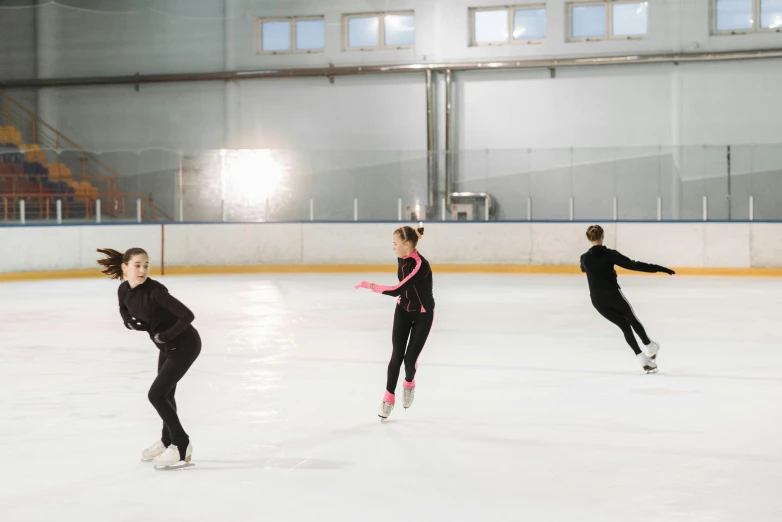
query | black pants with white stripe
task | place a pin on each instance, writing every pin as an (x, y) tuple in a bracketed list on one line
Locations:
[(613, 306)]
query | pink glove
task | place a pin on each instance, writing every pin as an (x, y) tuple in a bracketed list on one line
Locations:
[(364, 284)]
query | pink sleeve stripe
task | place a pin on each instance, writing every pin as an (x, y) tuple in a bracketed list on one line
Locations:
[(383, 288)]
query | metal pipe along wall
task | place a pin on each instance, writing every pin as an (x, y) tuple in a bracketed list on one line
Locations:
[(550, 63)]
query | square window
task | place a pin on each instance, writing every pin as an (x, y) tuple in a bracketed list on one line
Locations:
[(491, 26), (399, 30), (629, 19), (529, 24), (771, 14), (310, 35), (364, 31), (276, 36), (735, 15), (588, 21)]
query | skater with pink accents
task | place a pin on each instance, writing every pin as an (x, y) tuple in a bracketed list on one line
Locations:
[(413, 316)]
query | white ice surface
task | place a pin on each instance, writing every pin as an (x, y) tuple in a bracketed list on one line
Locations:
[(529, 405)]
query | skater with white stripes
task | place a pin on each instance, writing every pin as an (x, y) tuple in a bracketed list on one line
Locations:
[(607, 298)]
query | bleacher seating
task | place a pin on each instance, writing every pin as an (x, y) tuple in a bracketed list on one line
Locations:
[(24, 170), (37, 176)]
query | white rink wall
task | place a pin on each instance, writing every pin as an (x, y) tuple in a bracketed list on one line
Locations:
[(678, 244)]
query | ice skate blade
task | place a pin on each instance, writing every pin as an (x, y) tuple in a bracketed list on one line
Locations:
[(650, 370), (173, 467)]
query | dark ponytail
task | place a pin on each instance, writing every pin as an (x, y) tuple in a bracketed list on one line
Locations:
[(410, 234), (112, 263), (595, 233)]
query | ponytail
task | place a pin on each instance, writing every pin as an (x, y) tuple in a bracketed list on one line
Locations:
[(595, 233), (112, 263), (410, 234)]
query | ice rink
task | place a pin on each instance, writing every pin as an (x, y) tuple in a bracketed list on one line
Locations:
[(529, 405)]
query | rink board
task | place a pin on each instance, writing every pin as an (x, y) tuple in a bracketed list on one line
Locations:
[(707, 248)]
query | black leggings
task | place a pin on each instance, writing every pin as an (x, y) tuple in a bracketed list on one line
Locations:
[(172, 364), (613, 306), (416, 326)]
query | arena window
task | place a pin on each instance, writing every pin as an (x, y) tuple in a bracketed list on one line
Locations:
[(593, 21), (305, 34), (508, 25), (378, 31)]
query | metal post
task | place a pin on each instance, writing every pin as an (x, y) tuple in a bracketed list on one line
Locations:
[(138, 210), (616, 208), (399, 209), (223, 211), (181, 177), (355, 209), (222, 174), (729, 205), (312, 209), (571, 209), (181, 210), (448, 137), (431, 144), (705, 208), (97, 210), (59, 212), (529, 209), (659, 208), (444, 210), (486, 209), (21, 211), (751, 208)]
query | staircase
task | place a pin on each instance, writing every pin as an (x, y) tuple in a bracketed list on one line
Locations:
[(39, 165)]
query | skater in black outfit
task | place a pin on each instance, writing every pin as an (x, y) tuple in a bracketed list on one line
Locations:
[(146, 305), (413, 316), (598, 264)]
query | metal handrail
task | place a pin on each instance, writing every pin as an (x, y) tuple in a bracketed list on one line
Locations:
[(36, 122), (86, 199)]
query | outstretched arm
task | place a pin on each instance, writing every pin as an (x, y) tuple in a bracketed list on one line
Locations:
[(393, 291), (173, 305), (638, 266), (397, 289)]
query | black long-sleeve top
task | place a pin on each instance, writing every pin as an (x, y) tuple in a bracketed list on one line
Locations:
[(149, 307), (598, 263), (415, 284)]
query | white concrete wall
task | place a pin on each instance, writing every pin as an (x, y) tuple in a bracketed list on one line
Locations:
[(201, 35), (630, 130), (682, 245), (660, 105), (17, 41), (637, 132)]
